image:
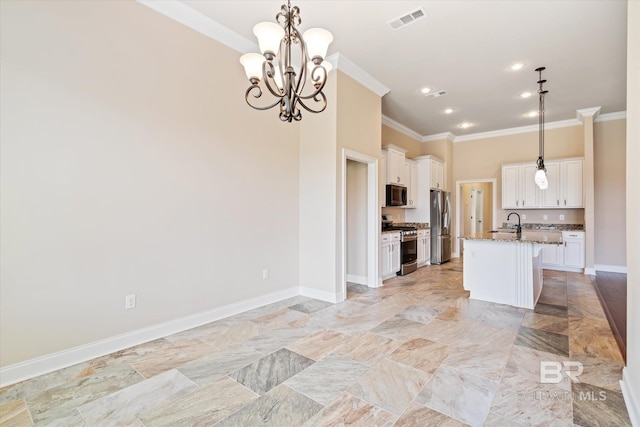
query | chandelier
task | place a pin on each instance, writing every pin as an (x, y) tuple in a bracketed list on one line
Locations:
[(541, 171), (286, 75)]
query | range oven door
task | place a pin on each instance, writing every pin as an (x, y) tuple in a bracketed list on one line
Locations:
[(409, 249)]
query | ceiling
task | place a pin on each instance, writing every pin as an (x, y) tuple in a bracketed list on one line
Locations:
[(466, 48)]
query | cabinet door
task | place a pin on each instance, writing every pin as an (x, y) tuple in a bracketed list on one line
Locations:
[(572, 184), (437, 175), (420, 249), (426, 242), (550, 198), (552, 255), (395, 166), (385, 259), (528, 187), (574, 253), (411, 171), (395, 254), (510, 175)]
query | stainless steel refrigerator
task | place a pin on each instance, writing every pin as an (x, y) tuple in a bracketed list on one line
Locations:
[(440, 225)]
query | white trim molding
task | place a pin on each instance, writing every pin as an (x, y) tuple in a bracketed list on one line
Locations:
[(352, 70), (610, 268), (631, 398), (321, 295), (357, 279), (62, 359), (389, 122), (587, 112), (439, 137), (611, 116)]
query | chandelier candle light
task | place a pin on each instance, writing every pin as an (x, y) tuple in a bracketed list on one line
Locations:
[(286, 75), (541, 171)]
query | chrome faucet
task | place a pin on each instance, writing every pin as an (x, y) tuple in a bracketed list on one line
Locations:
[(519, 227)]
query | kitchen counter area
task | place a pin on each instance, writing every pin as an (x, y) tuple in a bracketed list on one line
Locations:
[(506, 267)]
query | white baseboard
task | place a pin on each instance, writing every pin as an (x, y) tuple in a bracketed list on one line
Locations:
[(590, 271), (631, 397), (611, 268), (41, 365), (321, 295), (354, 278)]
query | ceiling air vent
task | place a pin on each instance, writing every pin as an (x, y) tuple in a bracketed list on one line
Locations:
[(407, 19), (437, 94)]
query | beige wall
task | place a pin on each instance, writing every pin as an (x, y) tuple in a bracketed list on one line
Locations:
[(131, 164), (359, 114), (610, 206), (631, 374), (392, 136), (317, 210)]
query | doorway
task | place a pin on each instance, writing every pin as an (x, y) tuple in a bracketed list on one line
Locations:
[(366, 223), (476, 208)]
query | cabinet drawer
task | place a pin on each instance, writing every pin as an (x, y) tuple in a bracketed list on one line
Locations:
[(573, 235), (395, 237)]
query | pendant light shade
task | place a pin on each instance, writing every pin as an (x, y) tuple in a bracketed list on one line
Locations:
[(269, 36), (541, 179)]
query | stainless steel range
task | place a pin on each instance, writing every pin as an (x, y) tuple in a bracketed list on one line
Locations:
[(408, 248)]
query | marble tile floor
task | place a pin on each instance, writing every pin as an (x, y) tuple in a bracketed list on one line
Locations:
[(415, 352)]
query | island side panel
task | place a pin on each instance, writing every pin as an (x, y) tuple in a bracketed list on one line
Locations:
[(490, 270)]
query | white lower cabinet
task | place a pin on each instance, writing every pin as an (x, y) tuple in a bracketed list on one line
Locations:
[(389, 255), (569, 256), (424, 247)]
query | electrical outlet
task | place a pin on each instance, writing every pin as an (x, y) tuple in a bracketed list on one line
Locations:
[(561, 217), (524, 216), (545, 217), (265, 274), (130, 301)]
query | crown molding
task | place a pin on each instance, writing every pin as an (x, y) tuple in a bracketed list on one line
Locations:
[(587, 112), (389, 122), (201, 23), (517, 130), (439, 136), (348, 67), (611, 116)]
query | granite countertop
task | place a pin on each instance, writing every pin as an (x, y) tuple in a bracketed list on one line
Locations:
[(543, 237), (389, 231)]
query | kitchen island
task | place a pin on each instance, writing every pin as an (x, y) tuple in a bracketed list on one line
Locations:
[(506, 268)]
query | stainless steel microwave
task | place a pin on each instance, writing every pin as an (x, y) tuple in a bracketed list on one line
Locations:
[(396, 195)]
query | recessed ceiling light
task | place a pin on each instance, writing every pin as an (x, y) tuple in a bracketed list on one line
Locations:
[(517, 66), (425, 90), (531, 114), (525, 94), (465, 125), (449, 110)]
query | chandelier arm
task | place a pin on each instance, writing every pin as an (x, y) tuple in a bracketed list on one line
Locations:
[(319, 82), (269, 78), (322, 98), (257, 95)]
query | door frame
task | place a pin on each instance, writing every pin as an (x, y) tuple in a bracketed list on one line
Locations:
[(373, 221), (459, 202)]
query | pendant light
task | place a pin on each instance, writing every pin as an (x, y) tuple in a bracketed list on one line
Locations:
[(541, 171)]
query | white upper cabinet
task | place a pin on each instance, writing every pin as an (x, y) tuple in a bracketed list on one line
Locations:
[(519, 190), (421, 193), (571, 179), (395, 165), (565, 190), (411, 171), (437, 174)]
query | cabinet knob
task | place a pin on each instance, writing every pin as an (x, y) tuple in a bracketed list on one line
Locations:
[(558, 202), (565, 202)]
